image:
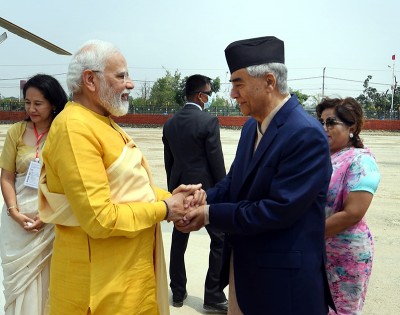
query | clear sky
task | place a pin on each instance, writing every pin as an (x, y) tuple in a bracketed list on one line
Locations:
[(351, 39)]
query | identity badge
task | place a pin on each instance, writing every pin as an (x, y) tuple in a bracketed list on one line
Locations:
[(32, 178)]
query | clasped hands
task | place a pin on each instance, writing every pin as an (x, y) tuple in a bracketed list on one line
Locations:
[(28, 224), (186, 207)]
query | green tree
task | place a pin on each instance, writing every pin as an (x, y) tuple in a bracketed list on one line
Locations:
[(164, 91), (218, 106), (170, 90), (12, 103), (180, 93), (11, 99), (373, 102), (216, 85), (301, 96), (137, 105), (313, 101)]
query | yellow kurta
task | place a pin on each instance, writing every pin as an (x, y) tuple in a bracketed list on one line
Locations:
[(106, 263)]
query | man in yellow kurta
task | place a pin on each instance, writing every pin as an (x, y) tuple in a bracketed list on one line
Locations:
[(96, 188)]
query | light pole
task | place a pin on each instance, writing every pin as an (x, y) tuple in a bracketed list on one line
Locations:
[(393, 84), (323, 82)]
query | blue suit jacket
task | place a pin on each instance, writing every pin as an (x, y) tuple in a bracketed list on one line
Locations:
[(271, 203)]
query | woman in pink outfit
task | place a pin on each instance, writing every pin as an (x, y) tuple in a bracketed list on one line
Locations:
[(355, 178)]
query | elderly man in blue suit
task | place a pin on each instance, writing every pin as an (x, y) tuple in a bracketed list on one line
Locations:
[(271, 203)]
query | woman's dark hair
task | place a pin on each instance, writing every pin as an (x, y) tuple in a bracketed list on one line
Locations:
[(349, 111), (51, 90)]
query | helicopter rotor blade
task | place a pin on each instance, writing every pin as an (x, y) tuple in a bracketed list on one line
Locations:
[(31, 37)]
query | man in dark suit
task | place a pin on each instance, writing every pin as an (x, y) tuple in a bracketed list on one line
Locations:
[(272, 201), (193, 154)]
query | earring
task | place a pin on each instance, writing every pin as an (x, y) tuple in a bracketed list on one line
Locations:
[(351, 135)]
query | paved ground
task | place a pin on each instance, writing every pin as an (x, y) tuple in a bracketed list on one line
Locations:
[(383, 217)]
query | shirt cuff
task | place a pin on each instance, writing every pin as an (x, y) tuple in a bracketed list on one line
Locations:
[(160, 208), (206, 214)]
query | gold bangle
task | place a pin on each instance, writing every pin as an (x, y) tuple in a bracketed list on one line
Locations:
[(11, 207)]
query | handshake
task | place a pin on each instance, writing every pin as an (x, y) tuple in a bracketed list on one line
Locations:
[(186, 207)]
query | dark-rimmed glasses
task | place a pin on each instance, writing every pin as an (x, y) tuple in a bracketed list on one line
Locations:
[(330, 122), (205, 92), (121, 75)]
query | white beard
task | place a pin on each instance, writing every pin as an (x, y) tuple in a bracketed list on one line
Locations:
[(112, 101)]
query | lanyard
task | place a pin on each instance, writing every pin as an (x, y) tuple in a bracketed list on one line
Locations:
[(38, 138)]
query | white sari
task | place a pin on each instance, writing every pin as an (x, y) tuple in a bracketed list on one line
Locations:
[(25, 257)]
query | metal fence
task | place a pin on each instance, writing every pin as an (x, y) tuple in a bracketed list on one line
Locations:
[(217, 111), (12, 106)]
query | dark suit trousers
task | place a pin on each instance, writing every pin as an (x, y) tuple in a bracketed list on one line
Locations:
[(177, 270)]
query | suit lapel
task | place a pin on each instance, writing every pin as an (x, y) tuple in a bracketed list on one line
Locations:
[(244, 155), (263, 146), (252, 160)]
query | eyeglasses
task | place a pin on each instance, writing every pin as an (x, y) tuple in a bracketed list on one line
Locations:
[(123, 76), (209, 93), (330, 122)]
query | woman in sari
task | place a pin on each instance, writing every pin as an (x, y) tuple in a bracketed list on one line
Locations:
[(355, 178), (25, 241)]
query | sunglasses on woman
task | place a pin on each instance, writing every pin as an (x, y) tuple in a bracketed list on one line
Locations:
[(330, 122)]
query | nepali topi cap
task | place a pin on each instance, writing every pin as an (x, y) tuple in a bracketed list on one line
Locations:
[(254, 51)]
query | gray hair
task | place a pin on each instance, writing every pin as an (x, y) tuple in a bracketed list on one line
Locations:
[(92, 55), (279, 70)]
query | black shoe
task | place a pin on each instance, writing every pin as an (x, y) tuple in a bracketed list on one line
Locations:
[(220, 308), (178, 302)]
